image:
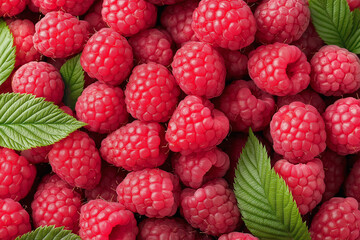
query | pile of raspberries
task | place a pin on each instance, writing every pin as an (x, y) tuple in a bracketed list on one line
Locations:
[(172, 88)]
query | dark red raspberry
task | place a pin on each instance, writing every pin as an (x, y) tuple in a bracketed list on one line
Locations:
[(352, 184), (338, 218), (94, 18), (129, 17), (74, 7), (196, 126), (59, 35), (353, 4), (211, 208), (100, 219), (40, 79), (224, 23), (9, 8), (37, 155), (305, 181), (151, 93), (246, 106), (14, 221), (76, 160), (310, 42), (235, 63), (279, 69), (150, 192), (237, 236), (107, 56), (199, 69)]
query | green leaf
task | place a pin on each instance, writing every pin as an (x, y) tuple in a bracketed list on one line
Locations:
[(27, 122), (265, 202), (49, 233), (7, 52), (353, 43)]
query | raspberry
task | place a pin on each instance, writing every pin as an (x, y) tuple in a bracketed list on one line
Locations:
[(338, 218), (40, 79), (129, 17), (9, 8), (152, 45), (235, 63), (211, 208), (279, 69), (164, 2), (76, 160), (36, 155), (352, 184), (246, 106), (197, 168), (74, 7), (342, 123), (298, 132), (94, 18), (310, 42), (106, 220), (224, 23), (199, 69), (107, 56), (151, 93), (305, 181), (150, 192), (14, 221), (353, 4), (335, 71), (281, 21), (237, 236), (196, 126), (17, 175)]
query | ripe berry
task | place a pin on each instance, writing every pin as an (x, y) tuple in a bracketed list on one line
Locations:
[(94, 18), (237, 236), (74, 7), (310, 42), (37, 155), (9, 8), (352, 184)]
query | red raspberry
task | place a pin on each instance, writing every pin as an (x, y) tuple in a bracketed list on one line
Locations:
[(352, 184), (76, 160), (199, 69), (198, 168), (37, 155), (338, 218), (107, 56), (211, 208), (9, 8), (14, 221), (196, 126), (310, 42), (246, 106), (74, 7), (164, 2), (151, 93), (237, 236), (279, 69), (305, 181), (224, 23), (40, 79), (335, 71), (150, 192), (129, 17), (235, 63), (94, 18), (353, 4), (281, 20), (100, 219)]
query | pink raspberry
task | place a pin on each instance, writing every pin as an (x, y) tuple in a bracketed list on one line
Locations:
[(9, 8), (353, 4), (76, 160), (305, 181), (352, 184), (100, 219), (338, 218), (335, 71), (40, 79), (281, 20), (237, 236), (150, 192), (212, 208), (59, 35), (164, 2), (235, 63), (224, 23), (129, 17), (246, 106), (151, 93), (136, 146), (37, 155), (310, 42), (198, 168), (199, 69), (14, 221), (94, 18), (196, 126), (74, 7), (107, 56), (279, 69)]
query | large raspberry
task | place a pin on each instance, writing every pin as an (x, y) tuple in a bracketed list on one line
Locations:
[(224, 23), (237, 236), (235, 63), (9, 8), (107, 56), (94, 18), (310, 42), (279, 69), (196, 126), (150, 192), (352, 184), (37, 155)]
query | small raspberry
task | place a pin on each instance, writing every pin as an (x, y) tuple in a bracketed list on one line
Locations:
[(224, 23), (310, 42), (74, 7), (94, 18), (352, 184), (9, 8), (338, 218), (164, 2), (196, 126), (279, 69), (107, 56), (100, 219), (353, 4), (151, 93), (235, 63), (40, 79), (199, 69), (150, 192), (237, 236), (37, 155)]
